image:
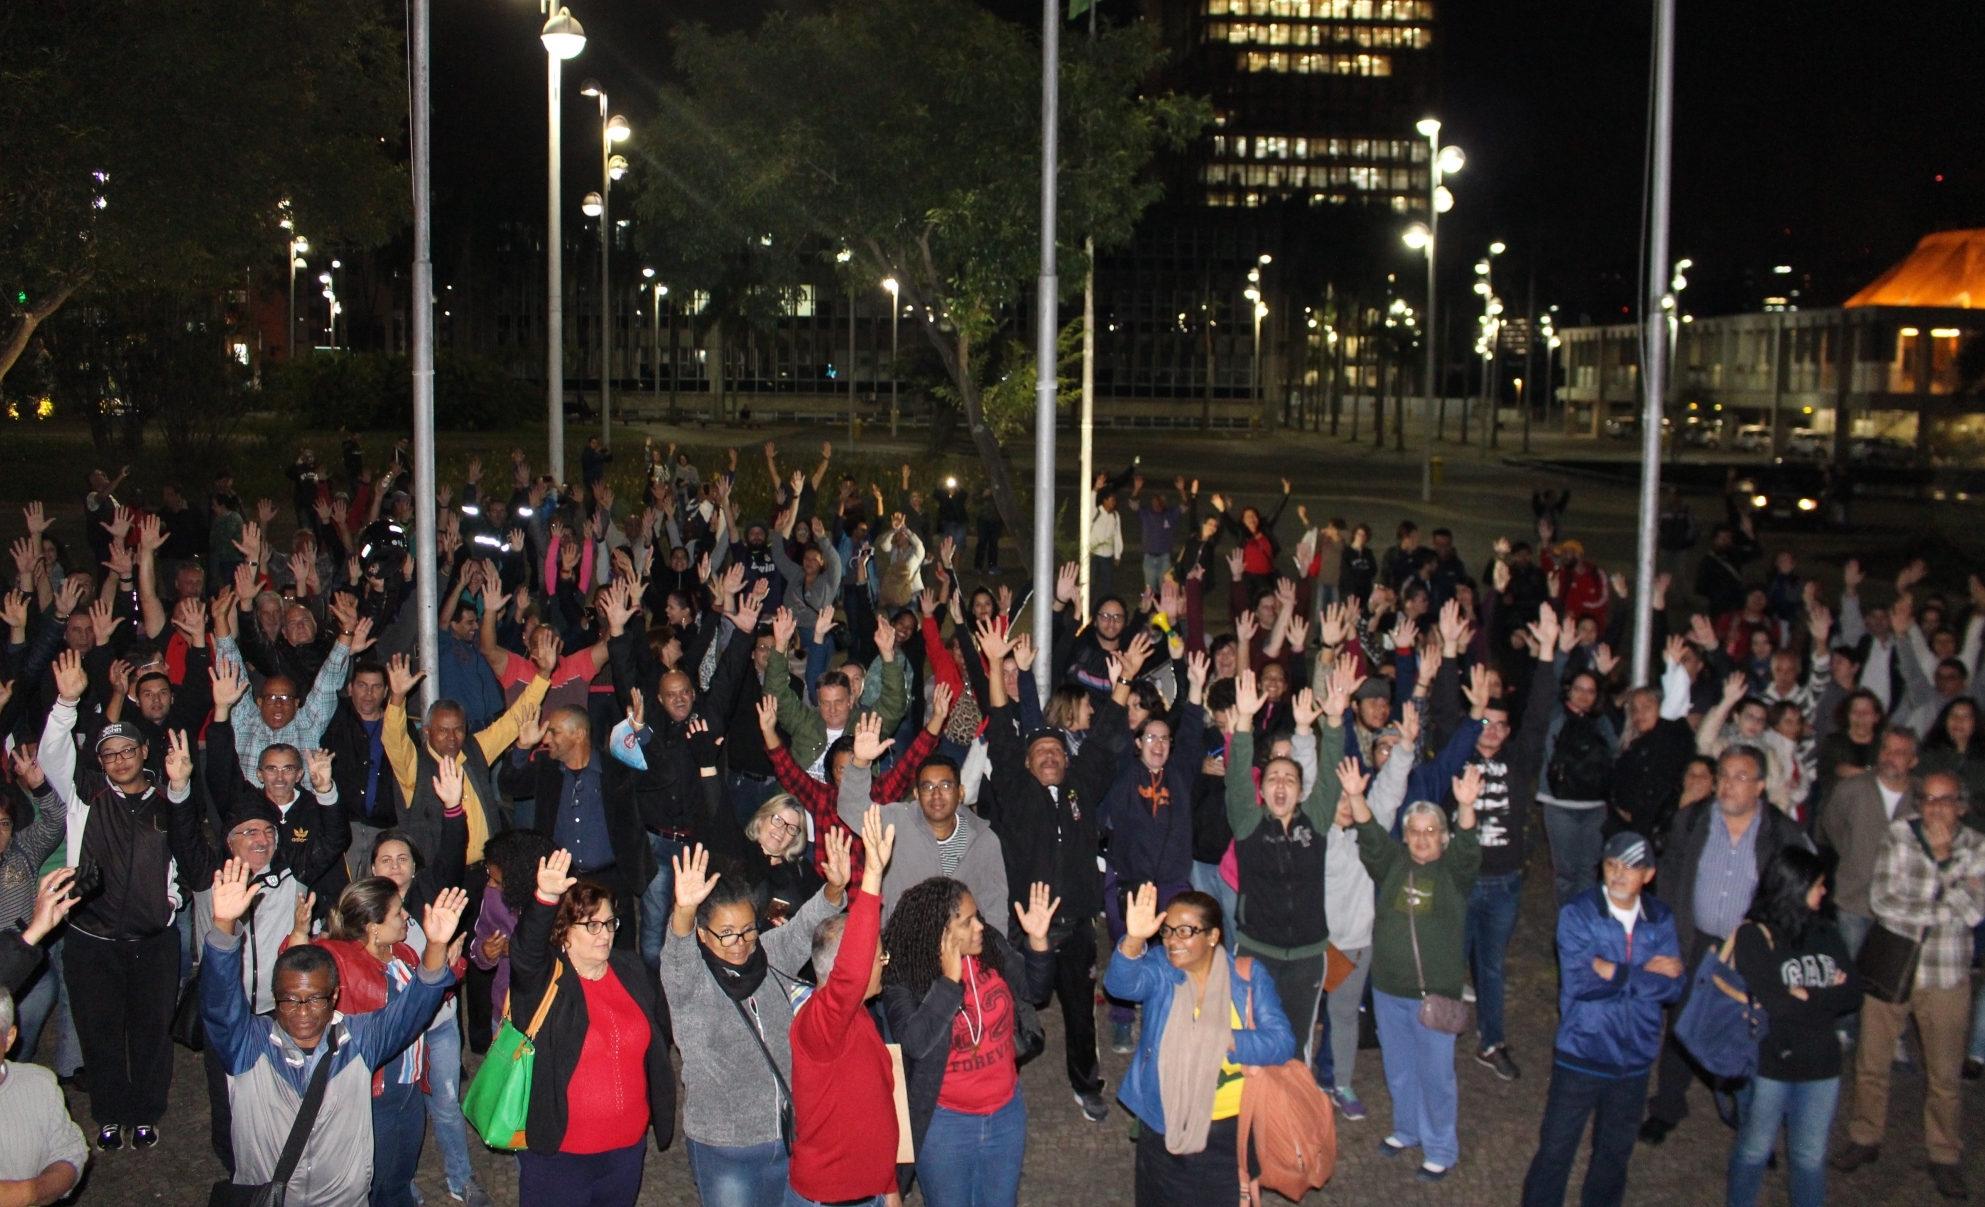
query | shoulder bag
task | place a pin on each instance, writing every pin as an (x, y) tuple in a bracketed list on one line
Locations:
[(1720, 1024), (1438, 1012), (499, 1099), (788, 1130), (272, 1192)]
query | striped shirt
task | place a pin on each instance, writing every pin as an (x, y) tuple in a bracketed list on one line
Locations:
[(1726, 877), (35, 1128)]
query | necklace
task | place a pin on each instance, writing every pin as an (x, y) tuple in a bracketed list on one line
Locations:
[(975, 1030)]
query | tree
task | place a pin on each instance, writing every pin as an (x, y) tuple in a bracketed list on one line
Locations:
[(901, 138), (149, 144)]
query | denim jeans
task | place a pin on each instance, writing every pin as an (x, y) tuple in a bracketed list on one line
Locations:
[(974, 1160), (1419, 1070), (444, 1101), (793, 1199), (1576, 835), (1155, 566), (399, 1127), (1207, 879), (1806, 1110), (48, 1001), (753, 1175), (1485, 940), (658, 901), (747, 792), (1614, 1105)]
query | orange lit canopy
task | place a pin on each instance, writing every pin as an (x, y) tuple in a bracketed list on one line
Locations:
[(1946, 269)]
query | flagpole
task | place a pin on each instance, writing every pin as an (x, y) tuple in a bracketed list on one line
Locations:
[(1047, 289)]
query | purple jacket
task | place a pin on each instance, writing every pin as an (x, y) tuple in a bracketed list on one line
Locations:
[(496, 918)]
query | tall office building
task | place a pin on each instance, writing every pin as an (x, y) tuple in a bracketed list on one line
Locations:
[(1314, 104)]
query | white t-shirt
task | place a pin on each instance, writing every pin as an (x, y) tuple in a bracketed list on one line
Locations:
[(819, 769), (1627, 917), (1890, 799)]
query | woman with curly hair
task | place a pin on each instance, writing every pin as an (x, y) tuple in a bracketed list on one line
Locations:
[(964, 1029), (603, 1080)]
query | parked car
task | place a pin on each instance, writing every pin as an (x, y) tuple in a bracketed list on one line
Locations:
[(1805, 444), (1703, 434), (1881, 450), (1753, 438), (1623, 427)]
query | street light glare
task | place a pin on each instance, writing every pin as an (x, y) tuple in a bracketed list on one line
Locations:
[(590, 88), (617, 129), (1443, 200), (617, 167), (1451, 160), (889, 283), (648, 272), (1267, 259), (1497, 249), (1417, 236), (563, 36), (591, 206), (1428, 127)]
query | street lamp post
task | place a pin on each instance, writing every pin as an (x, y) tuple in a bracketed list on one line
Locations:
[(659, 290), (1491, 308), (297, 246), (1047, 294), (563, 39), (1441, 161), (895, 312), (612, 167)]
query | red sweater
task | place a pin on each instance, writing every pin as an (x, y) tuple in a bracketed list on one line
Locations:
[(607, 1100), (843, 1099)]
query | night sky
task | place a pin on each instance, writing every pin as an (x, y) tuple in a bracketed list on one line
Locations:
[(1818, 133)]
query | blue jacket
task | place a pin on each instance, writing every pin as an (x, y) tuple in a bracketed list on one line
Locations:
[(1150, 979), (1155, 843), (1613, 1027)]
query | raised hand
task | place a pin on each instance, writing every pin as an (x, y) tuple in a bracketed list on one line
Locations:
[(869, 742), (234, 893), (637, 708), (27, 770), (120, 563), (244, 584), (1307, 708), (52, 903), (229, 684), (1468, 788), (1819, 622), (1140, 914), (1068, 583), (768, 722), (1298, 633), (1344, 683), (1477, 691), (1409, 725), (1247, 699), (705, 747), (1236, 560), (885, 638), (1545, 630), (1197, 667), (439, 920), (1678, 645), (1023, 652), (71, 681), (37, 520), (1351, 777), (994, 643), (530, 727), (1702, 632), (447, 783), (1604, 659), (1245, 629), (783, 625), (1038, 915), (839, 846), (120, 524), (878, 844), (693, 878), (191, 621), (1735, 687), (1336, 623), (103, 622), (401, 677), (1136, 653), (178, 760), (319, 762), (555, 875)]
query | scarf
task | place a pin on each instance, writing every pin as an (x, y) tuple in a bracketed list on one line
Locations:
[(1190, 1053), (739, 981)]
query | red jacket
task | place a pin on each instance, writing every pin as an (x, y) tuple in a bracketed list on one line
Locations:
[(362, 984), (844, 1108), (820, 799)]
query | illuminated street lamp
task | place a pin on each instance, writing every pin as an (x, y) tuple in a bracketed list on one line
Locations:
[(613, 129), (895, 312), (1441, 161), (563, 39)]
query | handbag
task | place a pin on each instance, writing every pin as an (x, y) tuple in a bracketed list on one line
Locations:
[(189, 1030), (1720, 1024), (499, 1099), (1337, 968), (788, 1129), (1887, 964), (272, 1192), (1438, 1012)]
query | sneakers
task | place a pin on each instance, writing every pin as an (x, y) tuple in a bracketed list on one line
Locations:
[(1390, 1147), (1347, 1103), (144, 1136), (1654, 1131), (473, 1195), (1497, 1061), (1854, 1156), (1429, 1172), (1120, 1038), (1094, 1109), (1949, 1181), (110, 1139), (1467, 992), (1974, 1068)]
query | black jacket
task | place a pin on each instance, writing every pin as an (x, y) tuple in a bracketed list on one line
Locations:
[(563, 1035), (1052, 837), (1647, 780), (543, 780), (924, 1026), (314, 837), (1687, 837), (351, 766)]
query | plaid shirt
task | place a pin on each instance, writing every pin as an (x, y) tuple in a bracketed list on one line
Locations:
[(1943, 901), (819, 797), (252, 734)]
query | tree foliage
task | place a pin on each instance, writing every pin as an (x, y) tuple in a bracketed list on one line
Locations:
[(901, 138), (148, 143)]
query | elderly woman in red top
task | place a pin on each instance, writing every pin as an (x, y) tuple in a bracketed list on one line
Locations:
[(844, 1149), (603, 1079)]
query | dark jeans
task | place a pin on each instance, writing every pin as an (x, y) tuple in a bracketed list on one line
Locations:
[(1613, 1104), (1671, 1094), (986, 556), (1168, 1179), (1075, 984), (608, 1179), (1299, 983), (399, 1125), (122, 995), (220, 1114), (974, 1160), (1113, 894), (1491, 921), (749, 791)]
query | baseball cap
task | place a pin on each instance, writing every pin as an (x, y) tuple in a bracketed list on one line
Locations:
[(119, 729), (1375, 688), (1046, 734), (1629, 848)]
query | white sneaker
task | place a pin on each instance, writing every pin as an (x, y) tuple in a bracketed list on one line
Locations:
[(1467, 992)]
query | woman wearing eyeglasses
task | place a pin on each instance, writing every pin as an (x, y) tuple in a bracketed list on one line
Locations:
[(728, 997), (1203, 1022), (602, 1080), (960, 999), (777, 858)]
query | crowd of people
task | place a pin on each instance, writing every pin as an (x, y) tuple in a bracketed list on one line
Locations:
[(784, 797)]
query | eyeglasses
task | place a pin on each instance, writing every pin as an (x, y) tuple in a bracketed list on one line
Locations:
[(600, 926), (725, 938), (1182, 932), (1944, 798), (280, 769), (118, 755), (779, 825), (1116, 616), (278, 699), (924, 786), (316, 1002), (1157, 738)]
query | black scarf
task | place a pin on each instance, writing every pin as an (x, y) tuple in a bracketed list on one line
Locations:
[(739, 981)]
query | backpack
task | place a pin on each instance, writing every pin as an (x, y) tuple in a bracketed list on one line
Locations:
[(1581, 762), (1289, 1120)]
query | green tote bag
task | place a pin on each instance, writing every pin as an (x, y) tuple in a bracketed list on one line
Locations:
[(499, 1099)]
